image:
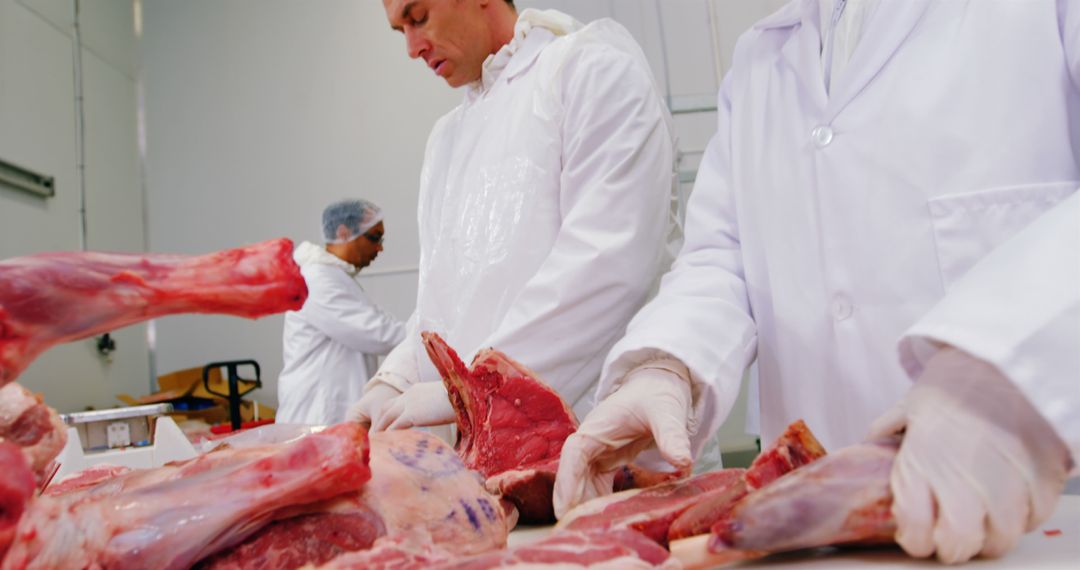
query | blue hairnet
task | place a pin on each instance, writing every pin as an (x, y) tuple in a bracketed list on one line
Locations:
[(358, 216)]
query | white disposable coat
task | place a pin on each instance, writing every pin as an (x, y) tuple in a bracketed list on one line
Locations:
[(544, 202), (821, 227), (326, 341)]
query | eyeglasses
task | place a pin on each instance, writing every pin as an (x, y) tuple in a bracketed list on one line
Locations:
[(375, 240)]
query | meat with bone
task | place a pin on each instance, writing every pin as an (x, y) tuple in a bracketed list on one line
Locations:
[(685, 508), (512, 427), (613, 549), (199, 507), (50, 298), (16, 489), (27, 422), (419, 487), (843, 498)]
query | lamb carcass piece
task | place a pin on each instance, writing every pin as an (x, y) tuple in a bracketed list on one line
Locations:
[(512, 427), (16, 489), (612, 549), (171, 518), (843, 498), (27, 422), (685, 508), (50, 298), (419, 488)]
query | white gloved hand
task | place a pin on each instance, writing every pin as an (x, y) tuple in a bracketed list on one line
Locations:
[(365, 411), (978, 465), (651, 407), (423, 404)]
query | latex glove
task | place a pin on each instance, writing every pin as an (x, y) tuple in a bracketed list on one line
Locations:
[(978, 466), (365, 411), (651, 407), (423, 404)]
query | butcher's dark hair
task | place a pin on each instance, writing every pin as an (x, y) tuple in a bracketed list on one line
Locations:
[(510, 2)]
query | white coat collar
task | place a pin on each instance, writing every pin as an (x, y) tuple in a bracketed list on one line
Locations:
[(308, 253), (532, 32), (892, 23)]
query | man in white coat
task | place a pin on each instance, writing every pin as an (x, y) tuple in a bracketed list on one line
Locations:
[(544, 199), (883, 172), (329, 343)]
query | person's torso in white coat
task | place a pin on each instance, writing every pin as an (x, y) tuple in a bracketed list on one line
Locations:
[(327, 343), (543, 207), (849, 214)]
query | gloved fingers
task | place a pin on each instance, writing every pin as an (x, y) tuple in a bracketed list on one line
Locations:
[(960, 531), (357, 414), (913, 508), (671, 436), (889, 423), (390, 411), (573, 480), (1007, 516)]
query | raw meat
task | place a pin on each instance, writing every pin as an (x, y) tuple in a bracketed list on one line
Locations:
[(651, 511), (28, 423), (50, 298), (839, 499), (794, 448), (149, 520), (613, 549), (16, 488), (685, 508), (508, 422), (85, 479), (419, 487)]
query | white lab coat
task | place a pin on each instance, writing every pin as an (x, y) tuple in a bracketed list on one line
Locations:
[(543, 208), (325, 342), (822, 227)]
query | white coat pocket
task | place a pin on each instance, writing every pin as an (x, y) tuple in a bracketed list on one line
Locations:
[(968, 226)]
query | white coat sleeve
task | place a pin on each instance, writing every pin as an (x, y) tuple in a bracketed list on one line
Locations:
[(1019, 309), (701, 315), (1069, 27), (615, 189), (400, 368), (337, 306)]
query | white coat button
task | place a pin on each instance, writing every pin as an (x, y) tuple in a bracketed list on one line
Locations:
[(821, 136), (842, 307)]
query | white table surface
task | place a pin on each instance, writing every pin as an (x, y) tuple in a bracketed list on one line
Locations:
[(1035, 550)]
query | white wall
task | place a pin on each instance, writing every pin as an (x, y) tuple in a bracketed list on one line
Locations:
[(37, 130)]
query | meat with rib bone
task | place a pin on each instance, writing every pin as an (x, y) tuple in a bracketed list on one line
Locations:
[(508, 421), (50, 298), (27, 422), (198, 507), (613, 549), (418, 487), (684, 508)]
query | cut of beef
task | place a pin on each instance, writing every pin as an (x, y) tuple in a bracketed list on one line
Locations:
[(16, 489), (173, 517), (839, 499), (50, 298), (611, 549), (508, 421), (419, 487)]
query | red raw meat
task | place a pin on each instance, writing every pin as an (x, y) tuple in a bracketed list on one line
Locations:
[(172, 517), (36, 428), (16, 488), (50, 298), (508, 421), (565, 549), (793, 449), (419, 486), (85, 479)]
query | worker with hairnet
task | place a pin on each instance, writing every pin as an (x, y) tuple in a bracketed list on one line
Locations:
[(883, 172), (330, 342), (544, 199)]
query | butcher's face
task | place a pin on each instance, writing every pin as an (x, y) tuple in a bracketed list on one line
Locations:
[(366, 247), (451, 36)]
